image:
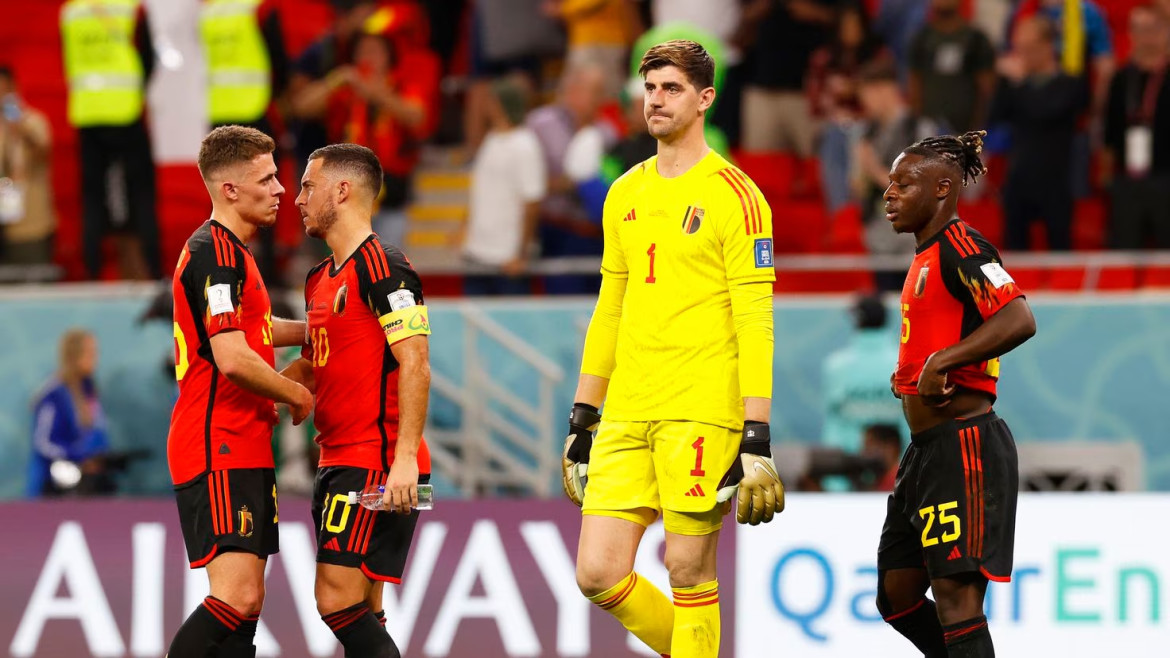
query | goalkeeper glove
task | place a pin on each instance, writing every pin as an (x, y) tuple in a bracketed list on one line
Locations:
[(753, 479), (583, 421)]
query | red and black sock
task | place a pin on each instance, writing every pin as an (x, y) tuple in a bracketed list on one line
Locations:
[(360, 633), (919, 624), (241, 644), (969, 639), (205, 629)]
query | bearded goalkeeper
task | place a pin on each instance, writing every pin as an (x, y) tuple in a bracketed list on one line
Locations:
[(680, 351)]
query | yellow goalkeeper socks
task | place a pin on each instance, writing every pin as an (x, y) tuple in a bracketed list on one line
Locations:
[(642, 609), (696, 621)]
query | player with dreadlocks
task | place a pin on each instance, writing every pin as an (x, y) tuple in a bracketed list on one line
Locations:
[(950, 523)]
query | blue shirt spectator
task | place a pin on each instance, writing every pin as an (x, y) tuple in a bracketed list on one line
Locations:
[(68, 423)]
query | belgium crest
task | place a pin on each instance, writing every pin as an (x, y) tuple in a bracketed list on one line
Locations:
[(245, 522)]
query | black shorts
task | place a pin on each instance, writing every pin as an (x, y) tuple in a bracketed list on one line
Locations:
[(353, 536), (953, 509), (230, 510)]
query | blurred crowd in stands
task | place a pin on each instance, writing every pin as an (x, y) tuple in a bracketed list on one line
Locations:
[(523, 112)]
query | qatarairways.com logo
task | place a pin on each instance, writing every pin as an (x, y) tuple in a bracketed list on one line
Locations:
[(1084, 581)]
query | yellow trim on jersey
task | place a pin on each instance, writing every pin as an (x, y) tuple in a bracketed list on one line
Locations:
[(601, 338), (404, 323)]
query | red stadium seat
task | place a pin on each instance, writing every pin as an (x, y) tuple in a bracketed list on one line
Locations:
[(1155, 276), (986, 216), (1090, 219), (845, 231), (798, 226)]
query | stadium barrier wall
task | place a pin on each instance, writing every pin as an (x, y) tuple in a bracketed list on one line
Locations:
[(110, 578), (1098, 368), (495, 579)]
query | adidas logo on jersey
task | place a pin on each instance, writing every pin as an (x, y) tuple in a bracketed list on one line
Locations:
[(955, 554), (332, 545), (696, 490), (224, 449)]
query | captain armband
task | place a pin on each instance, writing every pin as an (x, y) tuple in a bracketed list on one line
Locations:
[(404, 323)]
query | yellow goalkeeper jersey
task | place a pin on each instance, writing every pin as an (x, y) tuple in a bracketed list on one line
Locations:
[(683, 244)]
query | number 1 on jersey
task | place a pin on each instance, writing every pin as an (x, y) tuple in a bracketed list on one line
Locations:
[(650, 253)]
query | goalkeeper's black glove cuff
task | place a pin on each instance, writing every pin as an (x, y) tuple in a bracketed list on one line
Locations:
[(583, 420), (757, 439)]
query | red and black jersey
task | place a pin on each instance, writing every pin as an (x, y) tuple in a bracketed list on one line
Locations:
[(354, 313), (217, 425), (954, 284)]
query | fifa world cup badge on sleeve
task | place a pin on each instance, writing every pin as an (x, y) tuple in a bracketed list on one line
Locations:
[(764, 252), (219, 298)]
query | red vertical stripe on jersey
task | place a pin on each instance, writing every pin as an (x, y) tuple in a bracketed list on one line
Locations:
[(747, 215), (369, 263), (963, 446), (215, 528), (219, 257), (380, 258), (227, 502), (360, 518), (966, 237), (978, 491), (957, 242), (753, 202), (381, 479)]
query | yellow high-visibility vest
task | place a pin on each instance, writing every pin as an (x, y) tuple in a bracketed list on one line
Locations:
[(238, 68), (102, 66)]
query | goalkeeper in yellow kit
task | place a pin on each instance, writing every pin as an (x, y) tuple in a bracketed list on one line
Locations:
[(680, 350)]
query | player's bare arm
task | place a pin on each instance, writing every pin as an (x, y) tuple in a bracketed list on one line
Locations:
[(301, 372), (1007, 329), (287, 333), (414, 383), (244, 368)]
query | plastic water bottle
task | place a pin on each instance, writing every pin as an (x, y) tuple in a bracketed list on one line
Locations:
[(371, 497)]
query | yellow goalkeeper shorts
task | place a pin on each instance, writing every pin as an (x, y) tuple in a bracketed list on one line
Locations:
[(670, 467)]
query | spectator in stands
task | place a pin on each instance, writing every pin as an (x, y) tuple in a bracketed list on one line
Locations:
[(883, 443), (855, 381), (600, 33), (69, 429), (108, 57), (503, 41), (1084, 47), (1082, 40), (507, 184), (896, 22), (385, 106), (247, 67), (952, 69), (776, 115), (891, 125), (566, 228), (831, 86), (323, 66), (26, 198), (1137, 136), (1041, 105)]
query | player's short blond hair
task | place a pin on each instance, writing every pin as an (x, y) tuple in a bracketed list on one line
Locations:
[(688, 56), (231, 145)]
